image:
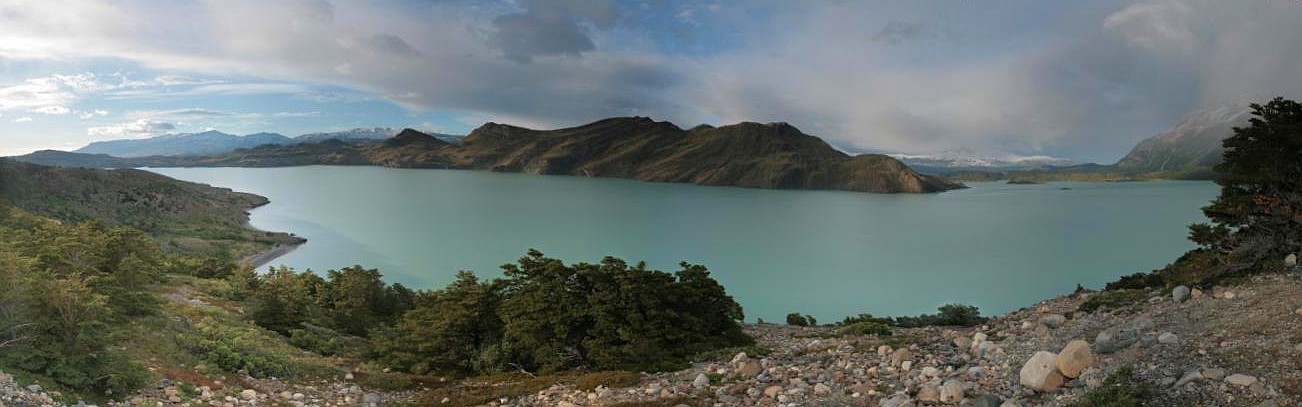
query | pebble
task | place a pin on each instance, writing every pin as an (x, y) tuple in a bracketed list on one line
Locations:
[(1214, 373), (1168, 338)]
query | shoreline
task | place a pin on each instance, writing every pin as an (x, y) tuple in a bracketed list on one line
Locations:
[(266, 256)]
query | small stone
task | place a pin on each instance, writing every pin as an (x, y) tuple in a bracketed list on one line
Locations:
[(1190, 376), (898, 400), (1121, 336), (750, 369), (883, 350), (348, 376), (1214, 373), (1298, 312), (1074, 358), (906, 365), (928, 394), (1167, 338), (772, 391), (740, 358), (1196, 294), (297, 396), (1040, 373), (962, 342), (984, 400), (34, 388), (563, 403), (702, 381), (1010, 403), (1180, 293), (1167, 381), (951, 392), (930, 371), (1053, 321), (1290, 260), (822, 389), (249, 394), (1239, 379)]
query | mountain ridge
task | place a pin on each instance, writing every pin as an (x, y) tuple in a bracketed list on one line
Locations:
[(754, 155)]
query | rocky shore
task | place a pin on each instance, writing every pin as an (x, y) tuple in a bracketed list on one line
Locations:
[(1238, 345)]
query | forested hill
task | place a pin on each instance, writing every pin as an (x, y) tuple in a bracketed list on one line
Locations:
[(183, 216), (753, 155)]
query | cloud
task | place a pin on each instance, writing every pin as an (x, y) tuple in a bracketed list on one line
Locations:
[(89, 114), (896, 32), (550, 28), (50, 94), (191, 113), (52, 110), (22, 120), (1084, 80), (138, 128)]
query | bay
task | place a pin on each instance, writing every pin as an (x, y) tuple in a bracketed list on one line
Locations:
[(825, 253)]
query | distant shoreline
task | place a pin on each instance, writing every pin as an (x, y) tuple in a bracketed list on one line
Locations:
[(262, 258)]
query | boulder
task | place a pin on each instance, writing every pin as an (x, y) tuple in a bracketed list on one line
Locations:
[(930, 371), (1239, 379), (929, 393), (739, 358), (951, 392), (900, 356), (702, 381), (1053, 321), (1121, 336), (1180, 293), (1290, 260), (1074, 358), (1039, 372)]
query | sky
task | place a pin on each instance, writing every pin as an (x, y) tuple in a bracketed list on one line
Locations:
[(1083, 80)]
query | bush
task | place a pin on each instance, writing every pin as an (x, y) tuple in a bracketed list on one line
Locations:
[(796, 319), (865, 328), (1119, 389), (235, 349), (949, 315), (1112, 299)]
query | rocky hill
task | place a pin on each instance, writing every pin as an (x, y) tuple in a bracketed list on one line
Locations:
[(182, 216), (753, 155)]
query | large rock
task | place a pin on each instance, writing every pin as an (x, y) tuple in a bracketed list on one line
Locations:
[(1121, 336), (900, 356), (929, 393), (1053, 321), (751, 368), (1290, 260), (1239, 379), (1180, 293), (951, 392), (702, 381), (1074, 358), (1039, 372)]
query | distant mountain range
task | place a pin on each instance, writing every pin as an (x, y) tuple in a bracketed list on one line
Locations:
[(215, 142), (755, 155)]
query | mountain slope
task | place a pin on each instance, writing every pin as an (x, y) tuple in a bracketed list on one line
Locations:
[(184, 144), (1193, 145)]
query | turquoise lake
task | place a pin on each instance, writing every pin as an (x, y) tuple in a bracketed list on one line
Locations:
[(825, 253)]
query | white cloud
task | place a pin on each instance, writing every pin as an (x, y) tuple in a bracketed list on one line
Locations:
[(53, 110), (89, 114), (1160, 26), (22, 120), (138, 128), (50, 93)]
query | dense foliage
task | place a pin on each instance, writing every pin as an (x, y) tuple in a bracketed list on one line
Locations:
[(1258, 215), (549, 316), (64, 291)]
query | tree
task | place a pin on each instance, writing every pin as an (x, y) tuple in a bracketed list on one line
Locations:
[(1258, 214)]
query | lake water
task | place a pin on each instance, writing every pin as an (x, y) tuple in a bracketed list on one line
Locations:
[(825, 253)]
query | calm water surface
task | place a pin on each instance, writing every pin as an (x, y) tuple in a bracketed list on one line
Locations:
[(829, 254)]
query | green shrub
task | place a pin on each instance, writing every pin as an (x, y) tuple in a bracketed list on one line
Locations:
[(949, 315), (1119, 389), (1112, 299), (235, 349), (796, 319), (865, 328)]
